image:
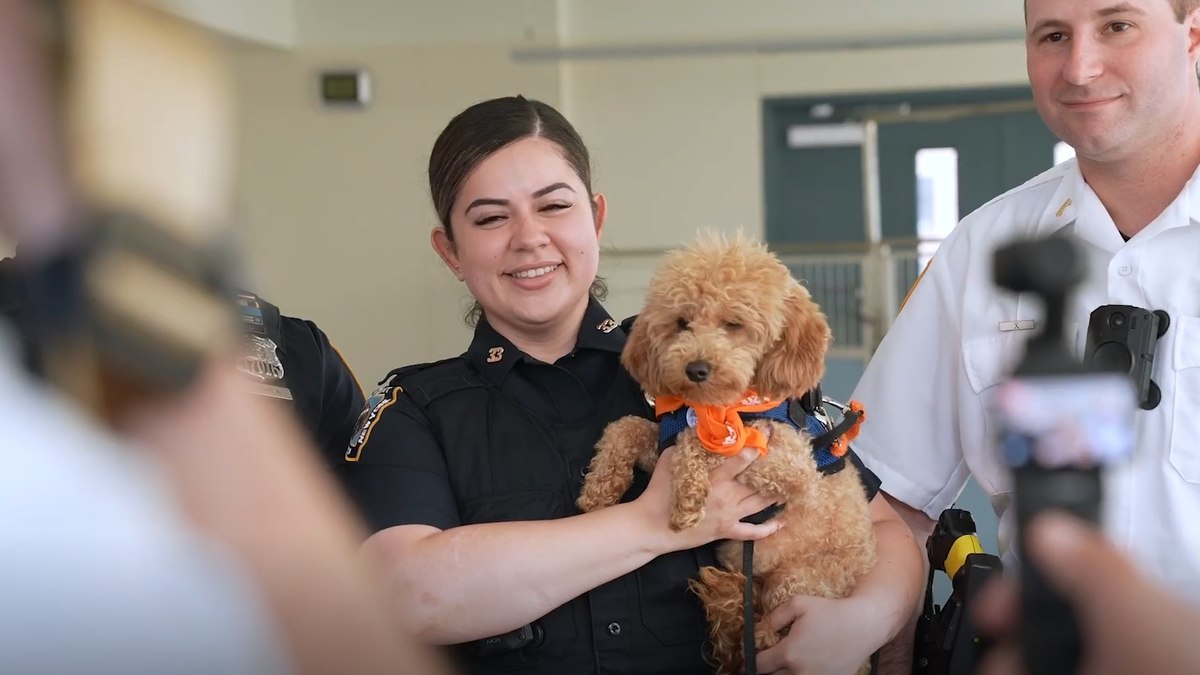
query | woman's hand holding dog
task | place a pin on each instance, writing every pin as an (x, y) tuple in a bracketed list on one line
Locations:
[(728, 502), (817, 638)]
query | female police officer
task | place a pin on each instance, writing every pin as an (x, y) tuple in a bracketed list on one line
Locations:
[(467, 469)]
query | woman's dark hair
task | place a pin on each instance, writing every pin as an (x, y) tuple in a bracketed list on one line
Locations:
[(478, 132)]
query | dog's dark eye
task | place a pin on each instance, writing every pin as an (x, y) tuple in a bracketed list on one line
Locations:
[(681, 324), (733, 325)]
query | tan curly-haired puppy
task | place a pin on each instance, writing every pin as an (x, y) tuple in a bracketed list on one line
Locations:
[(724, 317)]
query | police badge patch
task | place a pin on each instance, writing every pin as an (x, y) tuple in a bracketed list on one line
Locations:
[(383, 396), (260, 360)]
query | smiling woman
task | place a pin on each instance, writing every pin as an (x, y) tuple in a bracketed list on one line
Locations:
[(524, 235), (468, 469), (502, 127)]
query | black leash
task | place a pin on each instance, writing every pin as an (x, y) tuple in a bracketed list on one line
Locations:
[(812, 405), (748, 647)]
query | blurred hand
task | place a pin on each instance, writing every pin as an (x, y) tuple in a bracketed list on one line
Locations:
[(245, 473), (1129, 624)]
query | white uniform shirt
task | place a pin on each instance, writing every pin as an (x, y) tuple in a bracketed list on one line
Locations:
[(928, 387), (99, 572)]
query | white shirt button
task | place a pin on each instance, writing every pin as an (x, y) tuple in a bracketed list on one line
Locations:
[(1125, 270)]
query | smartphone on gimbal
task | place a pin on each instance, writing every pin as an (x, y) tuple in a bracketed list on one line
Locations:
[(1058, 423)]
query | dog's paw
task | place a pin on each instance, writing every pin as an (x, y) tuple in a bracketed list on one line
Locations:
[(684, 520), (765, 427), (764, 636), (594, 499), (598, 493), (648, 460)]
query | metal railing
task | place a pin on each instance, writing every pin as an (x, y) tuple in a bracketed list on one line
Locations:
[(859, 287), (836, 284)]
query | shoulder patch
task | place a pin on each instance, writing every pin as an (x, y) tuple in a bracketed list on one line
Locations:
[(383, 396), (1056, 172)]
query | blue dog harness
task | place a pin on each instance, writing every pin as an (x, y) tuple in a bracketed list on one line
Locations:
[(674, 423), (818, 425)]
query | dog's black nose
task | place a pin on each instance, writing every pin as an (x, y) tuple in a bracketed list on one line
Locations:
[(697, 371)]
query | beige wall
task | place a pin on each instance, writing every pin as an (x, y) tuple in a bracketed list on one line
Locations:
[(670, 21), (334, 204), (359, 23), (340, 23), (688, 155), (270, 22)]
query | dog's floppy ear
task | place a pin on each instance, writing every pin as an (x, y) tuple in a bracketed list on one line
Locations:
[(796, 363), (636, 354)]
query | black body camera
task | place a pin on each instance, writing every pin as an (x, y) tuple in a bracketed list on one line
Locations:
[(1059, 422), (1122, 338)]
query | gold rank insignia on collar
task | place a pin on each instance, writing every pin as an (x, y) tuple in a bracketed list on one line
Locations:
[(1063, 209), (495, 354), (607, 326)]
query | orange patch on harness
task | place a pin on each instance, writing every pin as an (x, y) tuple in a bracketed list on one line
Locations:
[(842, 443)]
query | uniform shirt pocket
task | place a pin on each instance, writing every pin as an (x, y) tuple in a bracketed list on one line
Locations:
[(671, 612), (987, 362), (1185, 428), (990, 360)]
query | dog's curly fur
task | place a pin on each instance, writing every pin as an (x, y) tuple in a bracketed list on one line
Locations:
[(734, 306)]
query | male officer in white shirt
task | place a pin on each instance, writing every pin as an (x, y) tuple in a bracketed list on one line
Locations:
[(1116, 80)]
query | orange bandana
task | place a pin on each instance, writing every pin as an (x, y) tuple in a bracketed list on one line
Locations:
[(720, 428)]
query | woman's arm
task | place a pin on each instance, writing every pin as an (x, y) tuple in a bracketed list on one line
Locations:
[(893, 588), (476, 581), (896, 657)]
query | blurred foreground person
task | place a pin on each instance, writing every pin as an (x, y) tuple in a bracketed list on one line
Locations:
[(1130, 623), (158, 517)]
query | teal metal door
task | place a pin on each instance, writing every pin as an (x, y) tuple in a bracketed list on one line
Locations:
[(814, 189), (814, 192)]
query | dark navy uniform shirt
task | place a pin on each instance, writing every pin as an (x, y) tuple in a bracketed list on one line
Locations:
[(325, 395), (407, 482), (496, 434)]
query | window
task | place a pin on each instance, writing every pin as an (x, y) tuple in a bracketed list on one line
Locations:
[(937, 199)]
